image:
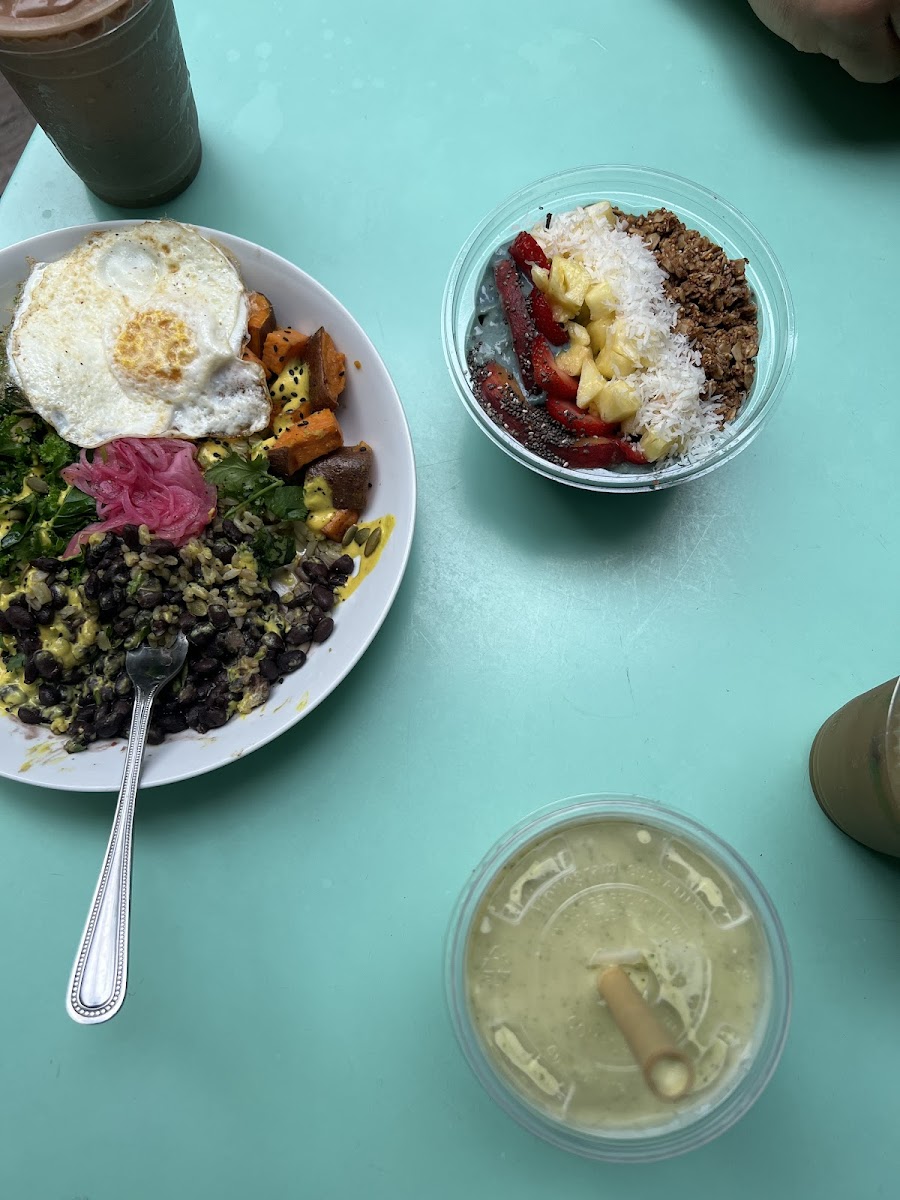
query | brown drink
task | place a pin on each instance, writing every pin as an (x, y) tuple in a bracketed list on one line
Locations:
[(107, 82), (854, 768)]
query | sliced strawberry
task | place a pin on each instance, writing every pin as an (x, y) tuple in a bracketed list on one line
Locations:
[(591, 452), (517, 317), (631, 452), (502, 395), (542, 315), (528, 253), (584, 423), (548, 376)]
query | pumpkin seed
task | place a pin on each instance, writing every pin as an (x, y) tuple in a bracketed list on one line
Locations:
[(349, 535), (362, 535), (37, 484), (373, 541)]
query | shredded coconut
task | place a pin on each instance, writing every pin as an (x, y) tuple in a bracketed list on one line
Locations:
[(671, 386)]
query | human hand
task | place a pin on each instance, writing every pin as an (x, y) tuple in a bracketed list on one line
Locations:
[(863, 35)]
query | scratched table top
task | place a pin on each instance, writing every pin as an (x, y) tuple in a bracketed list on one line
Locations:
[(285, 1032)]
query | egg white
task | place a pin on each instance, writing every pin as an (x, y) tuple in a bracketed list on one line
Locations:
[(138, 332)]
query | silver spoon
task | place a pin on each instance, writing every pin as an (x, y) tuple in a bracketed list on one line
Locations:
[(99, 976)]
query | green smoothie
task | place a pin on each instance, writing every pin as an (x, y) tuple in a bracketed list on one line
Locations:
[(611, 890)]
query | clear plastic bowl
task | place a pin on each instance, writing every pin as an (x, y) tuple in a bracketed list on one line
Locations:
[(635, 190), (692, 1127)]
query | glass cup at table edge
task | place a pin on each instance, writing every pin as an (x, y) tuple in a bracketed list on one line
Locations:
[(634, 189), (640, 1146)]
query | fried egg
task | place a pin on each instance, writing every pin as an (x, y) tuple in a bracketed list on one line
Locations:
[(138, 332)]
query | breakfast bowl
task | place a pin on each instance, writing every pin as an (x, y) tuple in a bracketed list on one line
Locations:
[(727, 415), (336, 633), (600, 882)]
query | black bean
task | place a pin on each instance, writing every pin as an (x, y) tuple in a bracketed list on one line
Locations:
[(155, 735), (231, 531), (218, 616), (268, 668), (161, 547), (50, 565), (314, 571), (121, 576), (323, 630), (91, 585), (291, 660), (205, 666), (215, 717), (148, 595), (29, 714), (30, 673), (186, 622), (232, 642), (121, 628), (272, 642), (314, 616), (58, 597), (342, 565), (159, 627), (48, 694), (123, 686), (47, 666), (107, 693), (224, 551), (122, 709), (188, 694), (201, 635), (110, 601), (131, 536), (87, 713), (194, 716), (298, 635), (173, 722), (29, 642), (299, 598), (19, 617), (5, 626), (108, 726), (43, 616), (323, 596)]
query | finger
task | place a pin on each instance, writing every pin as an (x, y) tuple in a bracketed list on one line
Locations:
[(877, 61)]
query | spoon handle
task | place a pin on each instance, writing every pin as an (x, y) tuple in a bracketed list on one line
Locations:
[(100, 973)]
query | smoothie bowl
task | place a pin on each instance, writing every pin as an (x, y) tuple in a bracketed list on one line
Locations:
[(609, 881), (618, 329)]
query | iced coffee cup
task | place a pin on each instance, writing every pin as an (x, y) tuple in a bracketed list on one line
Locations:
[(107, 82), (854, 768), (613, 881)]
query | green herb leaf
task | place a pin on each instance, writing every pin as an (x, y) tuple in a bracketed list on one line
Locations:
[(272, 550), (55, 453), (238, 477), (286, 503)]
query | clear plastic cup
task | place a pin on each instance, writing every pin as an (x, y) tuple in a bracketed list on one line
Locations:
[(655, 900), (635, 190), (854, 768), (107, 82)]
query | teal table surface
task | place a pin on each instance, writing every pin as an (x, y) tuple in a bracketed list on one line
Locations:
[(285, 1032)]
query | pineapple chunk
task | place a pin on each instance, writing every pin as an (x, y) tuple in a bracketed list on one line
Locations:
[(602, 209), (601, 301), (573, 359), (618, 357), (578, 334), (655, 446), (540, 277), (591, 383), (616, 401), (598, 333), (568, 283)]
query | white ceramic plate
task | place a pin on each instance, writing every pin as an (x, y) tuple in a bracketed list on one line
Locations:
[(370, 409)]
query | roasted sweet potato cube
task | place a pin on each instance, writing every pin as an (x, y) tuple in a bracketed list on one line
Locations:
[(310, 438), (281, 345), (260, 323), (340, 523), (348, 473), (327, 370)]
